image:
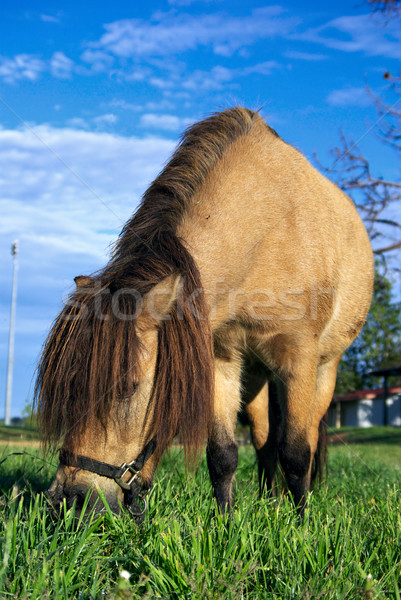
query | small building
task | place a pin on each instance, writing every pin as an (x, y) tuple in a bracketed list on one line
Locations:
[(366, 408)]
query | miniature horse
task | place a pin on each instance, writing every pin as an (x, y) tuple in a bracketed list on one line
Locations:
[(241, 264)]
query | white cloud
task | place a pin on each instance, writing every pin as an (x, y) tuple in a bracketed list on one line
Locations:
[(21, 66), (100, 122), (54, 190), (362, 33), (124, 105), (98, 60), (159, 105), (171, 33), (219, 77), (139, 50), (166, 122), (349, 96), (78, 123), (107, 119), (264, 68), (188, 2), (54, 202), (61, 66), (215, 79), (163, 83), (309, 56), (135, 74), (31, 67), (151, 106), (49, 19)]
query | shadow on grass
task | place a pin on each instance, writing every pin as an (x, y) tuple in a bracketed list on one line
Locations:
[(25, 469)]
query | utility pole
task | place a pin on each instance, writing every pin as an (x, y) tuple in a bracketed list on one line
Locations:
[(14, 253)]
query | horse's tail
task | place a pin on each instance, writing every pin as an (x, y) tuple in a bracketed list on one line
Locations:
[(319, 465)]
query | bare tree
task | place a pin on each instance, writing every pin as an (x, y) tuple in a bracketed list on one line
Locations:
[(385, 8), (378, 200)]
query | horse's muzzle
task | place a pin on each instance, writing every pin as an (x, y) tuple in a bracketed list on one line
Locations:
[(131, 491), (82, 495), (74, 488)]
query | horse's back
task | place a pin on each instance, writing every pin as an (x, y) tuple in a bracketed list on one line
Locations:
[(266, 222)]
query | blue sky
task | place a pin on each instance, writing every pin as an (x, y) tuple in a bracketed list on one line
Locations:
[(93, 97)]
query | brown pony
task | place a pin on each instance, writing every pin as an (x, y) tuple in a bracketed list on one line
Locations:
[(242, 264)]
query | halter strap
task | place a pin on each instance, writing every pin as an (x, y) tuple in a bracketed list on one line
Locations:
[(69, 459)]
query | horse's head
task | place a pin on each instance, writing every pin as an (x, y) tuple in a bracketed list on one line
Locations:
[(112, 383)]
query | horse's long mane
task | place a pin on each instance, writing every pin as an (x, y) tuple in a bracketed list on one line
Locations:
[(90, 357)]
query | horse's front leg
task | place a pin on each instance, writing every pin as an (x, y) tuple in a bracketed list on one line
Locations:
[(222, 449), (307, 395)]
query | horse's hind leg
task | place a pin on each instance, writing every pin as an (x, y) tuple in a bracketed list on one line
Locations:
[(307, 395), (260, 408), (222, 449)]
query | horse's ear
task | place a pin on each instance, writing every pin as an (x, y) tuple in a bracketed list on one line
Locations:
[(159, 302), (83, 281)]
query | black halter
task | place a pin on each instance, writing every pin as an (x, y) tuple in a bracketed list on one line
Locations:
[(130, 487)]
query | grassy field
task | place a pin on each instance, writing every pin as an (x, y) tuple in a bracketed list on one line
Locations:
[(349, 545), (18, 434)]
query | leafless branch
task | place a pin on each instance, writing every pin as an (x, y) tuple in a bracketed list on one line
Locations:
[(373, 196), (373, 182), (387, 9), (388, 248)]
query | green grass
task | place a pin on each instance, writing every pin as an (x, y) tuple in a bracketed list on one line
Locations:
[(357, 435), (349, 545), (15, 434)]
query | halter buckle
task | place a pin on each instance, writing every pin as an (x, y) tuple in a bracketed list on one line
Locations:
[(135, 475)]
